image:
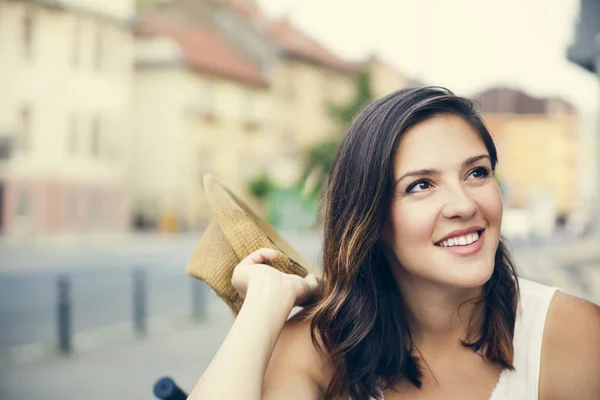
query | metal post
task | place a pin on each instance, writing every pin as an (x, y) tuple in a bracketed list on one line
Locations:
[(139, 302), (597, 196), (198, 300), (64, 314)]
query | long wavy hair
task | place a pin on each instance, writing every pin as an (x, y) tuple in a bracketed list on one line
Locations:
[(358, 323)]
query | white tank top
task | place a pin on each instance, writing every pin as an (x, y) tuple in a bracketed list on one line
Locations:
[(523, 382)]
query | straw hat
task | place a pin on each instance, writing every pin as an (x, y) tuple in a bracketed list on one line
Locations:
[(233, 234)]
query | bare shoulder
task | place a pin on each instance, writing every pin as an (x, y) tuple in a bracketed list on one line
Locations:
[(571, 350), (296, 364)]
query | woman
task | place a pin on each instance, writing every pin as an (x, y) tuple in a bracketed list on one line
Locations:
[(419, 296)]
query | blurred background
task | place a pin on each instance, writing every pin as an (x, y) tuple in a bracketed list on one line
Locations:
[(111, 111)]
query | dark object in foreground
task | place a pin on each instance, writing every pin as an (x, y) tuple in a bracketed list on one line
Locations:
[(166, 389)]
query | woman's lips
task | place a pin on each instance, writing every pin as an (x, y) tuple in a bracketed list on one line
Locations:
[(467, 249)]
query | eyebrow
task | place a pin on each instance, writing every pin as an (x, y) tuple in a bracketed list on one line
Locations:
[(424, 172)]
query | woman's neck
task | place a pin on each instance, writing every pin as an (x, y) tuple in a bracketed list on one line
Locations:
[(438, 316)]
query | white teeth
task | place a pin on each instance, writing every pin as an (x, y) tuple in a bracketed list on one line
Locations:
[(461, 240)]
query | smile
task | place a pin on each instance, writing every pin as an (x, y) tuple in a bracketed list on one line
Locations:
[(460, 240), (463, 245)]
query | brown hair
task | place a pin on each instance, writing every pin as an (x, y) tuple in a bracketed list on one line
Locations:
[(358, 322)]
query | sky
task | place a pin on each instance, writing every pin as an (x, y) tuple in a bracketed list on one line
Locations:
[(465, 45)]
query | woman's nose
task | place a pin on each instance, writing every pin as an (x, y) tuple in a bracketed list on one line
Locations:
[(459, 204)]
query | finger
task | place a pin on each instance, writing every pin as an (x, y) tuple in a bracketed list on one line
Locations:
[(312, 280), (311, 291), (260, 256)]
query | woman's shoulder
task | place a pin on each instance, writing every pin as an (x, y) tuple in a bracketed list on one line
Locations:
[(295, 350), (570, 364)]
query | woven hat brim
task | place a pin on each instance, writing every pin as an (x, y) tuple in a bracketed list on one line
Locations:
[(213, 261), (235, 232)]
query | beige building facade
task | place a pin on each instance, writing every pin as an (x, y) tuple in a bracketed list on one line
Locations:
[(538, 158), (193, 114), (65, 79), (385, 78)]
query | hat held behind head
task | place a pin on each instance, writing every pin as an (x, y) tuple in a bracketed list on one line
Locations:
[(233, 234)]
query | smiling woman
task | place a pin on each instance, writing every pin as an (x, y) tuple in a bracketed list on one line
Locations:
[(419, 297), (424, 162)]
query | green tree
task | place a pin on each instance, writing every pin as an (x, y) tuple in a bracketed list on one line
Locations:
[(318, 159), (260, 186), (345, 113)]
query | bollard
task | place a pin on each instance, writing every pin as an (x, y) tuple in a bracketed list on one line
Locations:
[(64, 314), (139, 302), (198, 300)]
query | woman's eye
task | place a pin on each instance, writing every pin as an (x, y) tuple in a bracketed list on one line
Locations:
[(480, 172), (418, 186)]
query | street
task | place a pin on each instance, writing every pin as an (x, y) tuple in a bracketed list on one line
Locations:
[(101, 276), (122, 365)]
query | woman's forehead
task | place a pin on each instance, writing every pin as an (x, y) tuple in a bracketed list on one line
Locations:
[(439, 141)]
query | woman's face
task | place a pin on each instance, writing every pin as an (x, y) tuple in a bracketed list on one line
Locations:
[(445, 216)]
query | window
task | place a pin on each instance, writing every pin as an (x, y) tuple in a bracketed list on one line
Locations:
[(95, 208), (249, 120), (5, 148), (27, 33), (24, 142), (95, 136), (72, 207), (247, 105), (98, 49), (329, 88), (76, 52), (73, 135), (290, 92), (23, 208), (207, 97)]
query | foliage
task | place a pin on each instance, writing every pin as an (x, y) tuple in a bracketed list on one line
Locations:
[(320, 157), (344, 114), (260, 186)]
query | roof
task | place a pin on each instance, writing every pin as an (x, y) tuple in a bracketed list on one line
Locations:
[(298, 44), (515, 101), (202, 48), (291, 40)]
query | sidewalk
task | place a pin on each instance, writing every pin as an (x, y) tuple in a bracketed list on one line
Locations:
[(573, 267), (120, 370)]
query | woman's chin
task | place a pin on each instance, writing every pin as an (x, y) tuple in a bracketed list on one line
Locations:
[(471, 279)]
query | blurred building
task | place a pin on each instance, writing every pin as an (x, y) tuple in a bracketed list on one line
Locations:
[(227, 57), (304, 78), (199, 106), (65, 79), (386, 78), (537, 147), (585, 52)]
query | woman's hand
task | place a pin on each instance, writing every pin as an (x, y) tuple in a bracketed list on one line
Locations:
[(269, 296), (252, 272)]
